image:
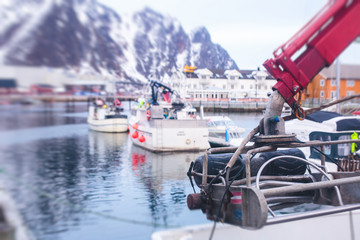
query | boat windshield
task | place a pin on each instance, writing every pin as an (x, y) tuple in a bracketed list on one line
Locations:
[(224, 123), (219, 123)]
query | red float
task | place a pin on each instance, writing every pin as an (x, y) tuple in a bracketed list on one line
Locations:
[(142, 139), (135, 135), (148, 114)]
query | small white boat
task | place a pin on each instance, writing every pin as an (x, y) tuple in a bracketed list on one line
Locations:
[(107, 118), (322, 121), (166, 126), (223, 132), (327, 126)]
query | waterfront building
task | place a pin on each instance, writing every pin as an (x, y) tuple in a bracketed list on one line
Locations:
[(223, 85), (24, 79), (7, 85), (324, 86)]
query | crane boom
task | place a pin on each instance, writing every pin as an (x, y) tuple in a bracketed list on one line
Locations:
[(322, 40)]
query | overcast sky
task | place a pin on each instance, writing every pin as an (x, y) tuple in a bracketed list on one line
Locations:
[(250, 30)]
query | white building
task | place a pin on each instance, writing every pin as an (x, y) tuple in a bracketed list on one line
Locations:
[(215, 84), (58, 78)]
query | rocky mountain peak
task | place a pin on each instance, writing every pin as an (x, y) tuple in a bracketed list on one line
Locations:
[(85, 36), (200, 35)]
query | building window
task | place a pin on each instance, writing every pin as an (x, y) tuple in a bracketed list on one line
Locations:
[(232, 86), (322, 82), (322, 94), (349, 93), (224, 86), (194, 86), (250, 86), (333, 82), (203, 77), (242, 86), (350, 83), (232, 77), (333, 94)]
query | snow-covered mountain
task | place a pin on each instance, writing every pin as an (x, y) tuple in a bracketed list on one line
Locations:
[(85, 36)]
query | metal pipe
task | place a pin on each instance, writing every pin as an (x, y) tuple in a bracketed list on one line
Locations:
[(222, 150), (318, 143), (322, 156), (205, 169), (303, 160), (309, 186), (276, 178), (297, 199), (232, 161), (311, 214), (278, 184), (247, 161)]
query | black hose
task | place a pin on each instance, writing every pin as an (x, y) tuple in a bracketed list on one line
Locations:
[(222, 200), (189, 175), (331, 159)]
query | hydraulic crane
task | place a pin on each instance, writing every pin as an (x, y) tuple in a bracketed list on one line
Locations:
[(163, 88), (301, 58), (241, 201)]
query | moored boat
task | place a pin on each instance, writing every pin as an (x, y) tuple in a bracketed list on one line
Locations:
[(223, 132), (105, 117), (327, 126), (167, 126)]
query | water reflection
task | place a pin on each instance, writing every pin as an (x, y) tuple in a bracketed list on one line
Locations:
[(164, 179), (55, 180), (18, 116), (72, 183)]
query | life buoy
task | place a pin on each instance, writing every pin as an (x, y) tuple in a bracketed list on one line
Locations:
[(148, 114)]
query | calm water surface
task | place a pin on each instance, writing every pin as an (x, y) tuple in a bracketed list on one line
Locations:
[(73, 183)]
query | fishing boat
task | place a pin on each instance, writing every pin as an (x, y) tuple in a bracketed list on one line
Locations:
[(104, 117), (167, 125), (223, 132)]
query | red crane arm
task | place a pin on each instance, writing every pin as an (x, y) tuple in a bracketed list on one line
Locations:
[(314, 47)]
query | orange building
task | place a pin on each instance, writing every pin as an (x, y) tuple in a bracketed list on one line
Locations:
[(323, 86)]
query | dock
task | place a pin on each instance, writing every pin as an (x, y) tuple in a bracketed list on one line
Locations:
[(15, 98)]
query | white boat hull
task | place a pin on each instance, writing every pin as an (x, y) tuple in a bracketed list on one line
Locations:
[(105, 120), (168, 136), (331, 227), (112, 125)]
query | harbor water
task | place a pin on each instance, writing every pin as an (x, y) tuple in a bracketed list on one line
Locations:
[(72, 183)]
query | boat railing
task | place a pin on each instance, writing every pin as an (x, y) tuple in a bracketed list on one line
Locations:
[(253, 201)]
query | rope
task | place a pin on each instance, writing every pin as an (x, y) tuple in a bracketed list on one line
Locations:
[(312, 110), (222, 201), (331, 159)]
